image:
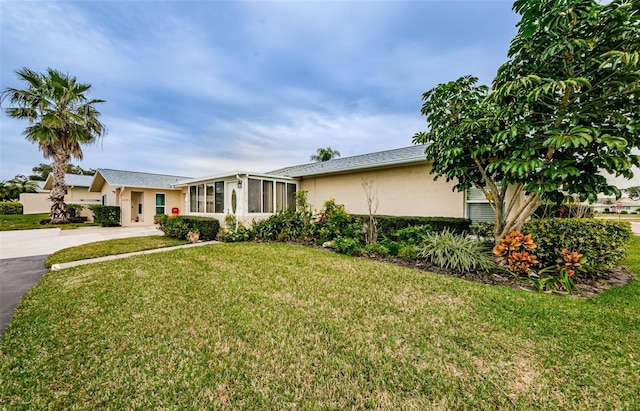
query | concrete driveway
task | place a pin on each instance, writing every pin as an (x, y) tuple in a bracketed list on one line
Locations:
[(23, 254)]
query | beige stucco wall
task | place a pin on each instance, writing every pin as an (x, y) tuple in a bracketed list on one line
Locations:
[(401, 191), (127, 197), (35, 203)]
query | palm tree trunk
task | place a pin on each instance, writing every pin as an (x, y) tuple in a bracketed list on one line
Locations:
[(58, 214)]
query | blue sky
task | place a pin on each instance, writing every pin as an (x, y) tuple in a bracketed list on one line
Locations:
[(200, 87)]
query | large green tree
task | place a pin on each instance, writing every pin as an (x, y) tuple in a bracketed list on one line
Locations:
[(564, 107), (61, 119), (42, 171), (325, 154)]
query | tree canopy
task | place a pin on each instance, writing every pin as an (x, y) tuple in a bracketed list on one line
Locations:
[(42, 171), (61, 119), (325, 154), (564, 107)]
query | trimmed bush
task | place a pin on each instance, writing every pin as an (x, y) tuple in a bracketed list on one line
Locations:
[(179, 227), (282, 226), (106, 216), (74, 210), (10, 207), (412, 235), (387, 225), (602, 242)]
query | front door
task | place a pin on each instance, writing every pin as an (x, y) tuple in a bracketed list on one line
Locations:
[(137, 206), (233, 198)]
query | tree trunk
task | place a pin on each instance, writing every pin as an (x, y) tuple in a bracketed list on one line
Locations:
[(59, 214)]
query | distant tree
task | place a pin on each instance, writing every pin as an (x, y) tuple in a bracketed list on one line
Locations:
[(325, 154), (5, 194), (42, 171), (633, 192), (18, 185), (61, 119), (563, 107)]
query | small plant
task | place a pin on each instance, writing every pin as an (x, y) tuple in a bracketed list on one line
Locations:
[(412, 235), (513, 253), (409, 252), (454, 252), (231, 222), (376, 249), (348, 246), (483, 230), (560, 278)]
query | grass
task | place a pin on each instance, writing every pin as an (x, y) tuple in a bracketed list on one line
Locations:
[(9, 222), (111, 247), (273, 326)]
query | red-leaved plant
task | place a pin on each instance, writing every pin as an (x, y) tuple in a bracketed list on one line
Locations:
[(513, 253)]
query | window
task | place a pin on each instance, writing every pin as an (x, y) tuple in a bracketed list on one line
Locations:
[(264, 199), (478, 207), (254, 196), (210, 198), (291, 196), (104, 199), (219, 197), (160, 203), (267, 196), (193, 199)]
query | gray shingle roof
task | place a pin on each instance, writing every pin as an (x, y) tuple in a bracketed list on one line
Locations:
[(71, 180), (405, 155), (137, 179)]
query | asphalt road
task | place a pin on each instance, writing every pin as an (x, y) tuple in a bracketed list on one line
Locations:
[(17, 276)]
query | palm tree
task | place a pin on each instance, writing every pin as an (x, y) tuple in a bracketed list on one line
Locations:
[(61, 119), (20, 184), (325, 154)]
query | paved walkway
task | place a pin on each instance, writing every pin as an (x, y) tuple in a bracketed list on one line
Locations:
[(26, 243)]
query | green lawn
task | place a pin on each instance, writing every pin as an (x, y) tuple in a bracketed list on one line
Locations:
[(9, 222), (272, 326), (111, 247)]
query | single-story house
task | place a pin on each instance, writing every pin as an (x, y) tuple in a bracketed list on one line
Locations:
[(399, 184), (77, 192), (140, 196)]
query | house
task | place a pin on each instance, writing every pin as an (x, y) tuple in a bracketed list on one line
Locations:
[(399, 183), (140, 196), (77, 192)]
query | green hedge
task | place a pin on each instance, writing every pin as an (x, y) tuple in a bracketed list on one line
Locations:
[(179, 226), (10, 207), (387, 225), (106, 216), (603, 242)]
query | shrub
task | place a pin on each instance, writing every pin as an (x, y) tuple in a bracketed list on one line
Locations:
[(228, 235), (74, 210), (452, 251), (387, 225), (602, 242), (179, 227), (392, 246), (513, 253), (409, 252), (348, 246), (106, 216), (10, 207), (624, 212), (412, 235), (282, 226), (483, 230), (160, 218), (375, 249), (335, 222)]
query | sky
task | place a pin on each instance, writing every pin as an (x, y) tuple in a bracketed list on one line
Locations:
[(196, 88)]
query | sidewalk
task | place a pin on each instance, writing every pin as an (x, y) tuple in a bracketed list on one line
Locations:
[(119, 256), (27, 243)]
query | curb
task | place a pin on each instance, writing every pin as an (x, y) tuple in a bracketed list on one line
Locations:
[(70, 264)]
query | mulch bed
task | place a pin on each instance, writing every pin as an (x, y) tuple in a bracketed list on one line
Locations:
[(585, 285)]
